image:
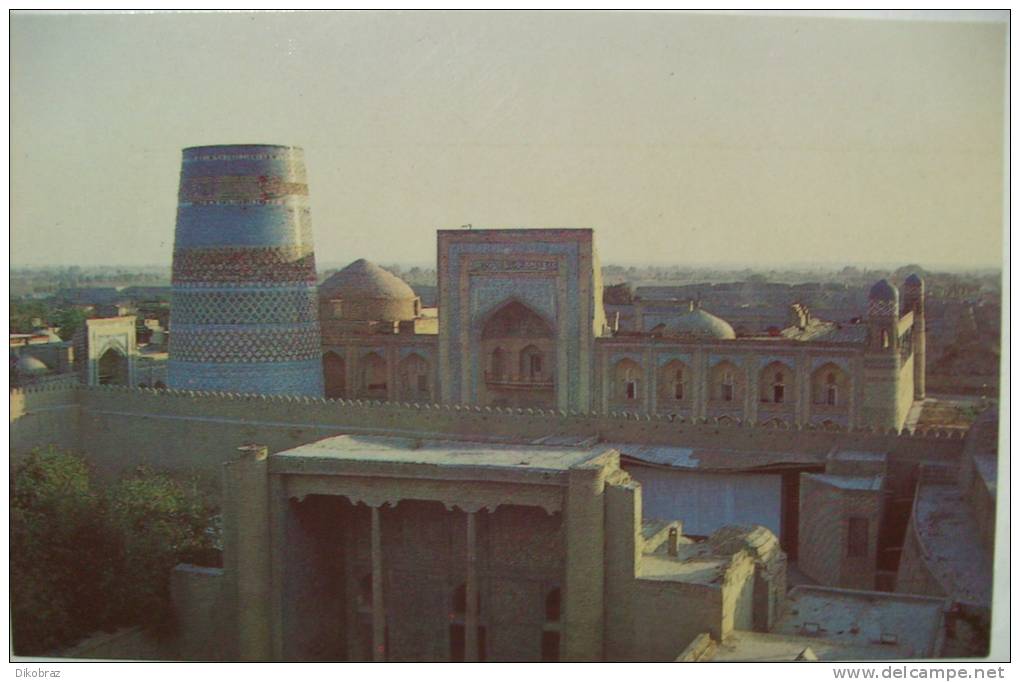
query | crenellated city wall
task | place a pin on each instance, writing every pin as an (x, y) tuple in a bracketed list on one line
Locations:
[(121, 427)]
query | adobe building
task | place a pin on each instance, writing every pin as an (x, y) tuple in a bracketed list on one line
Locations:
[(380, 548), (402, 549), (521, 324)]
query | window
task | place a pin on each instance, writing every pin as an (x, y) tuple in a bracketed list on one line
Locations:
[(778, 388), (830, 389), (423, 383), (727, 386), (630, 389), (857, 537), (678, 385), (531, 363), (885, 339)]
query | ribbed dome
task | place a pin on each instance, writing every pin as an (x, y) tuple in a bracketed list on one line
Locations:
[(699, 324), (913, 280), (883, 291), (362, 279), (30, 365)]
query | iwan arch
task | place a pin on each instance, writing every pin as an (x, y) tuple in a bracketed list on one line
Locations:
[(520, 323)]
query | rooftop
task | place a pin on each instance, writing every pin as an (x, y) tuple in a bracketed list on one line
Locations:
[(744, 645), (950, 536), (827, 332), (907, 626), (348, 449), (711, 459), (872, 483), (696, 562)]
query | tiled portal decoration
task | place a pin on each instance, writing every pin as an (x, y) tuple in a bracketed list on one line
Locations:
[(244, 314)]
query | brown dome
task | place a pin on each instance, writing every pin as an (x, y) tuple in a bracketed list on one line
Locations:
[(364, 279), (365, 291)]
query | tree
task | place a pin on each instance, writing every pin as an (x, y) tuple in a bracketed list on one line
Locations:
[(87, 556), (70, 320), (23, 312)]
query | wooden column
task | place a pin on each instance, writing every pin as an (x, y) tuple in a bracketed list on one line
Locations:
[(471, 594), (378, 612)]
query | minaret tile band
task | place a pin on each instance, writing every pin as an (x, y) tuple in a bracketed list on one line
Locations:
[(244, 314)]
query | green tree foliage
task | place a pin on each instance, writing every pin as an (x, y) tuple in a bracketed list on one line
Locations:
[(86, 557), (23, 312), (69, 320)]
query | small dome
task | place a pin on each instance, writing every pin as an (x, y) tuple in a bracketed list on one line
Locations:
[(362, 279), (913, 280), (699, 324), (30, 365), (883, 291)]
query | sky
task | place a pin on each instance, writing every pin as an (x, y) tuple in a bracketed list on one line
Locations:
[(686, 139)]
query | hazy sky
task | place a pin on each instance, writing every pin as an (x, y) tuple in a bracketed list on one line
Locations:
[(685, 139)]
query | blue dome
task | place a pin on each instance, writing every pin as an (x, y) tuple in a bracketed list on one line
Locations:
[(698, 324), (883, 291)]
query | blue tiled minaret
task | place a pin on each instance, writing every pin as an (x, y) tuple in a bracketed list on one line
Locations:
[(243, 316)]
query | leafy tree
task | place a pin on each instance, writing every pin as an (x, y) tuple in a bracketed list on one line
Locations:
[(56, 540), (157, 523), (23, 312), (86, 556), (70, 320)]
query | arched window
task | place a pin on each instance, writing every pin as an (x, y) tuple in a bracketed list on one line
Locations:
[(830, 389), (628, 374), (678, 385), (778, 388), (414, 377), (373, 375), (885, 338), (531, 362), (830, 386), (726, 387), (335, 375)]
